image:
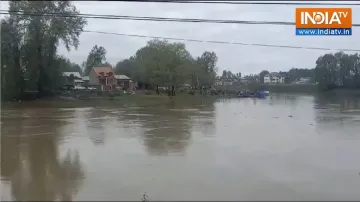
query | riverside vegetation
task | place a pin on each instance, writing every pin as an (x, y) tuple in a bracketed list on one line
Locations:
[(30, 60)]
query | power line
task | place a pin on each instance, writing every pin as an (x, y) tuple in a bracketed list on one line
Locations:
[(184, 20), (122, 17), (221, 42), (242, 3), (117, 17)]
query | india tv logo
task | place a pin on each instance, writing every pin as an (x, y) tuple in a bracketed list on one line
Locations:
[(323, 21)]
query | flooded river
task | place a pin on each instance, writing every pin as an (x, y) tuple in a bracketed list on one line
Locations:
[(286, 147)]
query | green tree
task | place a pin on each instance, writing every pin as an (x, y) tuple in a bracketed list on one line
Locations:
[(295, 74), (207, 62), (40, 35), (161, 63), (106, 64), (262, 75), (338, 70), (65, 65), (224, 74), (96, 58), (12, 73), (126, 67), (164, 63)]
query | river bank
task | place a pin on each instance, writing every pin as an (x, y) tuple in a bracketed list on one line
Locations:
[(218, 92), (277, 88)]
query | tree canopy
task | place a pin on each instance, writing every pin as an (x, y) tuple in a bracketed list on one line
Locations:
[(338, 70), (161, 63), (96, 58), (29, 45)]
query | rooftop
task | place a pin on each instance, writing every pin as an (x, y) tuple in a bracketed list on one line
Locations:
[(85, 78), (105, 70), (76, 74), (124, 77)]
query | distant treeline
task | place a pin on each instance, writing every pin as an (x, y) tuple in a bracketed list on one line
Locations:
[(339, 70)]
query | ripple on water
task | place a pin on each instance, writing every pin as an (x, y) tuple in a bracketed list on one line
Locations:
[(76, 109), (185, 110), (140, 115)]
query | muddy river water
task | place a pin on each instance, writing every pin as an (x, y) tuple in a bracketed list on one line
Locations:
[(285, 147)]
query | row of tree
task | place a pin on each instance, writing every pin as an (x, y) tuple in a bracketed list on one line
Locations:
[(229, 75), (30, 60), (29, 46), (165, 64), (338, 70)]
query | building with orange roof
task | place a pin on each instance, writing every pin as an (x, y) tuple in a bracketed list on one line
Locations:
[(102, 77)]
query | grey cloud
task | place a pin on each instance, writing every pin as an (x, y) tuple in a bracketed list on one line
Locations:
[(246, 59)]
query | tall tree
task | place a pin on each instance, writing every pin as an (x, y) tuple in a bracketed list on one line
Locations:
[(262, 74), (224, 74), (295, 74), (164, 63), (207, 62), (106, 64), (35, 39), (96, 58), (338, 70), (12, 73), (126, 66)]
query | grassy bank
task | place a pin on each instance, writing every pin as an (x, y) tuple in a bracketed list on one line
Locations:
[(149, 98), (119, 99)]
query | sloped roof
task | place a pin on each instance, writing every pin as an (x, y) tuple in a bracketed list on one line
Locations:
[(105, 70), (78, 80), (85, 78), (124, 77), (76, 74)]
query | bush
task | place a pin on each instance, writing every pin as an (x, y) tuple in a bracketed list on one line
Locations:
[(192, 92)]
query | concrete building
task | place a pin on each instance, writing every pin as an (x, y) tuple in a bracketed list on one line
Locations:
[(274, 78)]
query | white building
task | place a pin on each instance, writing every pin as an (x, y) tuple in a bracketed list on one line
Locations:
[(75, 74), (274, 78), (267, 79), (77, 80), (303, 80)]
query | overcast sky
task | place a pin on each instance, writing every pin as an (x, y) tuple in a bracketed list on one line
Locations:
[(236, 58)]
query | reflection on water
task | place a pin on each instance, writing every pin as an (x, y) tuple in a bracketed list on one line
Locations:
[(30, 161), (285, 147)]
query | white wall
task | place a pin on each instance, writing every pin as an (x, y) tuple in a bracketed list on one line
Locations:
[(267, 79)]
